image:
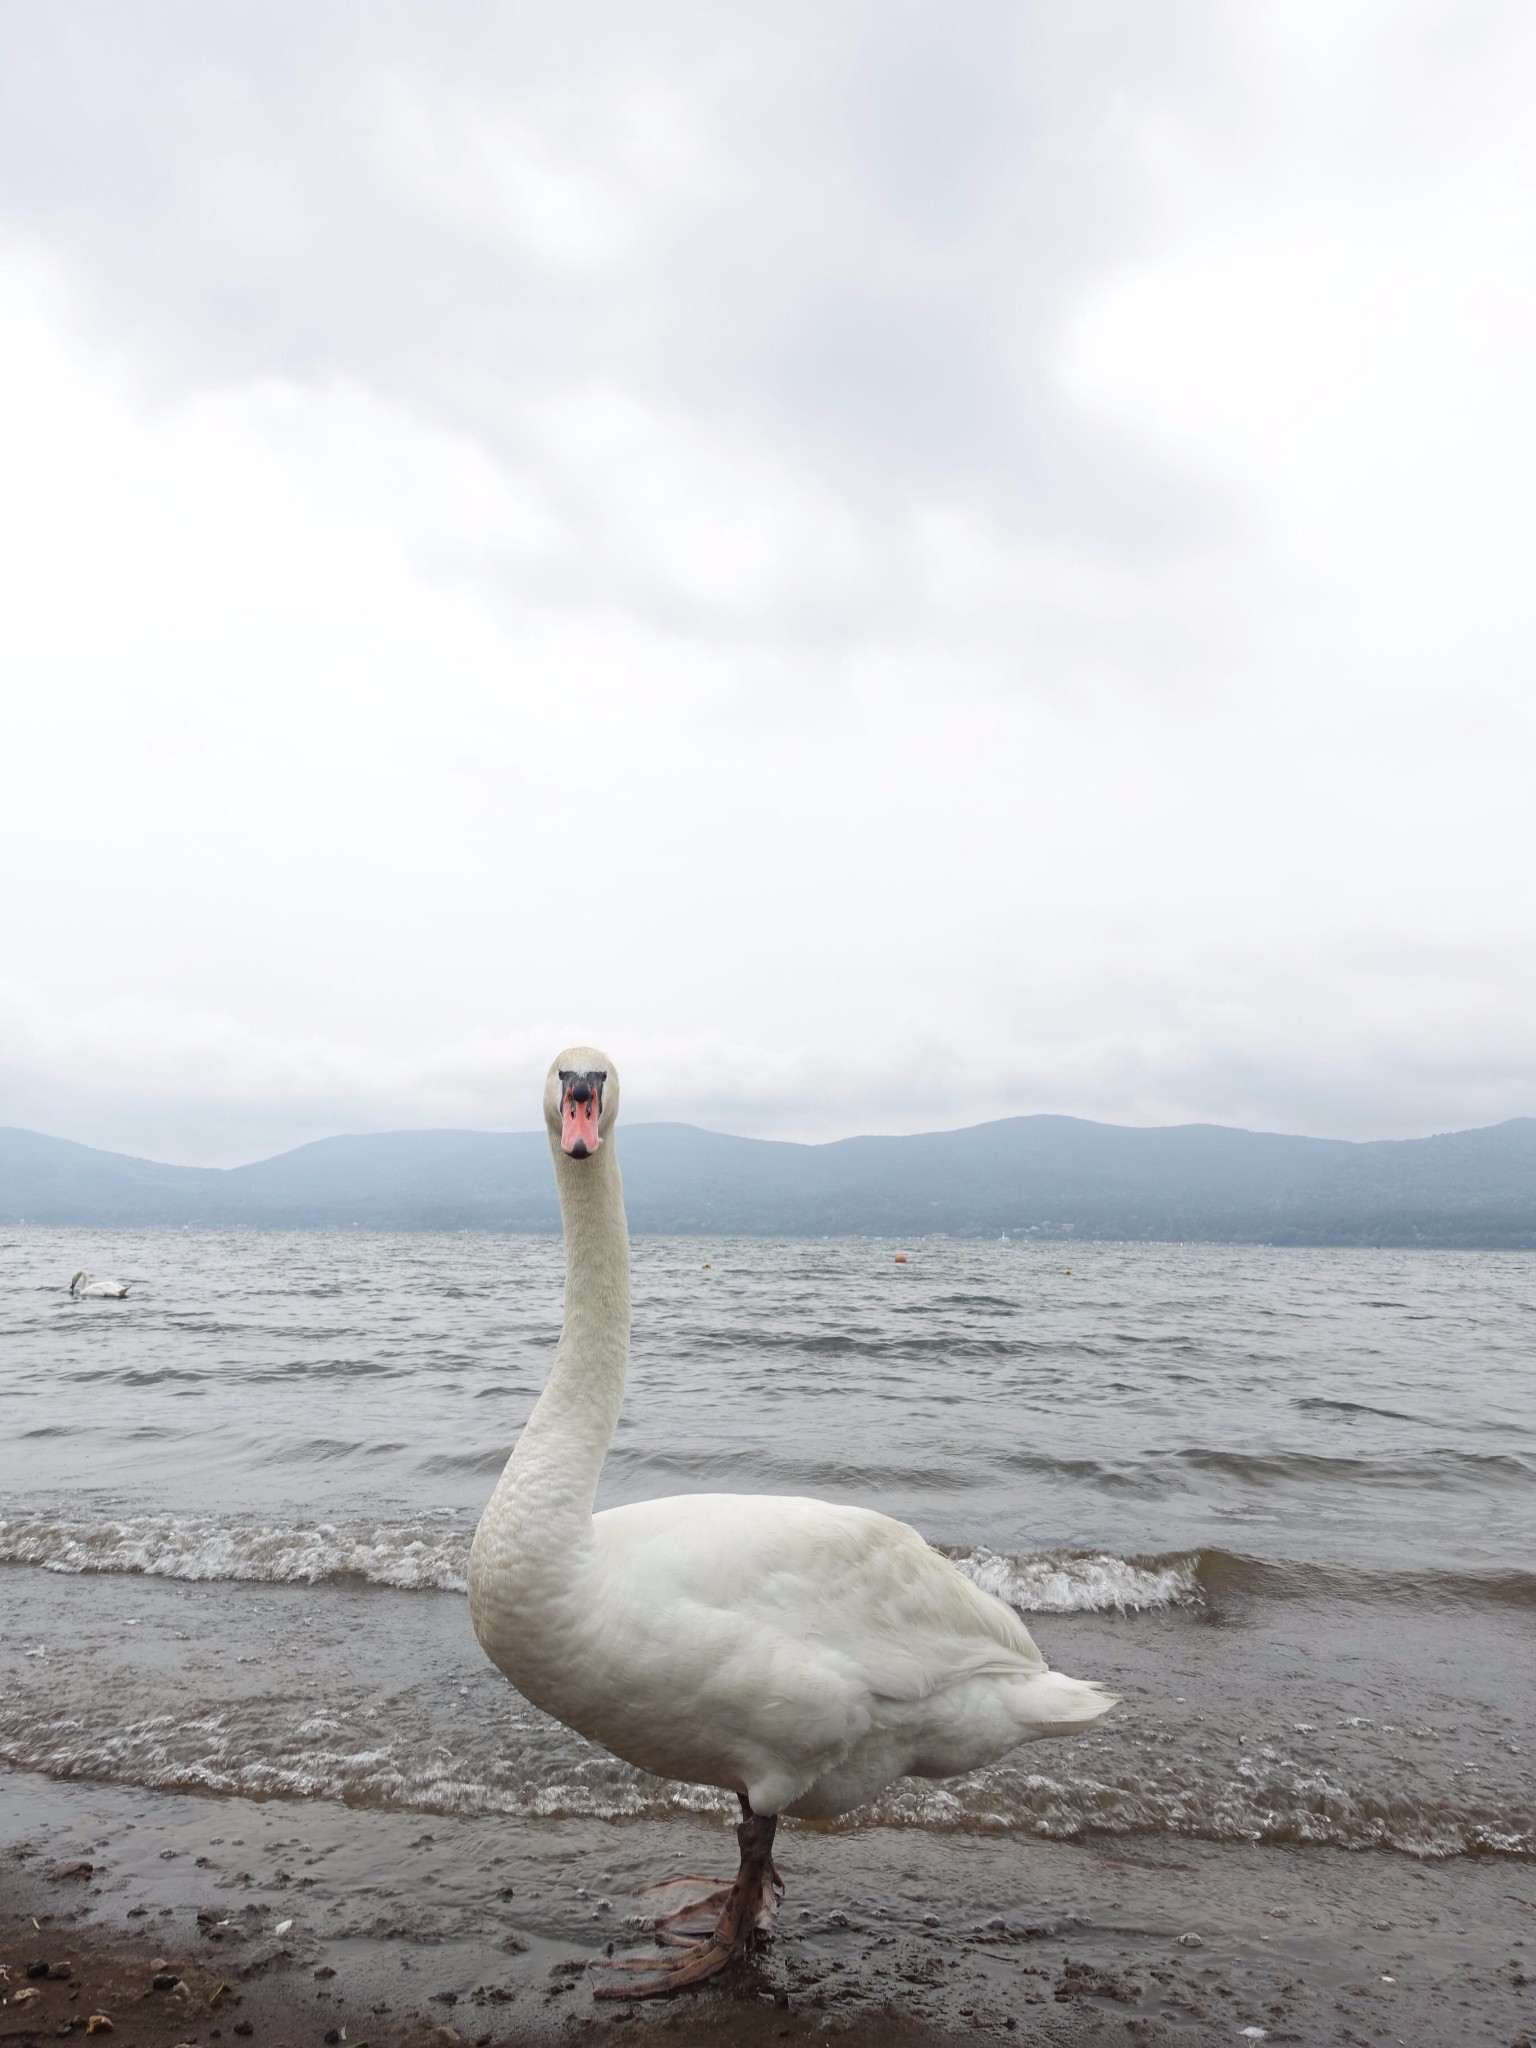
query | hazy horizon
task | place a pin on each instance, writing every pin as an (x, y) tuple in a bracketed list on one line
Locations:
[(892, 568)]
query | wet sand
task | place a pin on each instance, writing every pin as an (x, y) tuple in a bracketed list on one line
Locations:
[(330, 1924)]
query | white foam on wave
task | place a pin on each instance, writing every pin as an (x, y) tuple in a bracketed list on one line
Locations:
[(427, 1557), (1069, 1582), (416, 1557), (1284, 1808), (220, 1751)]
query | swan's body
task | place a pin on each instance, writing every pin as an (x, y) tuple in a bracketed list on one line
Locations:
[(84, 1288), (800, 1654)]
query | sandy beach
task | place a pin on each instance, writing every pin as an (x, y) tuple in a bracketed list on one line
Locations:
[(324, 1924)]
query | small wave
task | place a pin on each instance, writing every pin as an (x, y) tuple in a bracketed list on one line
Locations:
[(1224, 1574), (430, 1555), (417, 1557), (409, 1556), (1292, 1808), (1430, 1467), (482, 1464), (1324, 1404), (1084, 1582), (886, 1346), (219, 1752)]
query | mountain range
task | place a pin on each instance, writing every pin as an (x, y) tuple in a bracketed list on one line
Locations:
[(1047, 1176)]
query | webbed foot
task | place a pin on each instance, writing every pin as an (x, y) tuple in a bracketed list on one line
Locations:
[(746, 1908)]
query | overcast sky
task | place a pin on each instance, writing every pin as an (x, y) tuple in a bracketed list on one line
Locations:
[(891, 564)]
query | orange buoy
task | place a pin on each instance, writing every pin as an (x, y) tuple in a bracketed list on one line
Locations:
[(901, 1258)]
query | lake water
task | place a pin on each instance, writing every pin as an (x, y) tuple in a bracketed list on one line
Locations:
[(1283, 1501)]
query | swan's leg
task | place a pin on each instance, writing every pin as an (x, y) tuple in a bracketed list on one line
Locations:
[(773, 1890), (749, 1905), (689, 1904)]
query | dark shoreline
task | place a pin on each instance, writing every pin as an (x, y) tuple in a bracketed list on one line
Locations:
[(385, 1932)]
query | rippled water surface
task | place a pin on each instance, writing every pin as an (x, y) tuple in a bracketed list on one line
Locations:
[(1283, 1501)]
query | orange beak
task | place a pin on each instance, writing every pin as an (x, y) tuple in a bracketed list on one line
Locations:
[(578, 1121)]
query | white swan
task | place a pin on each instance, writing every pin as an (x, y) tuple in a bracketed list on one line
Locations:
[(796, 1653), (84, 1288)]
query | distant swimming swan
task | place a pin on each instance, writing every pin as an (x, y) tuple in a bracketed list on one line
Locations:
[(795, 1652), (84, 1288)]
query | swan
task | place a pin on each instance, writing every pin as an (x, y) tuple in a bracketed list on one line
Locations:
[(798, 1653), (84, 1288)]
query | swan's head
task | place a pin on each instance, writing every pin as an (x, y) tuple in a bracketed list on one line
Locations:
[(79, 1281), (581, 1100)]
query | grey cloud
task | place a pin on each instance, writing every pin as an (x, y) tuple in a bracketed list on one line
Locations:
[(935, 116), (901, 378), (472, 211)]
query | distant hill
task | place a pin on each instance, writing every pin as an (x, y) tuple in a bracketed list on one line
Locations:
[(1053, 1176)]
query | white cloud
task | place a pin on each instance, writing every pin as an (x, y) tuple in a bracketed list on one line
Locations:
[(889, 571)]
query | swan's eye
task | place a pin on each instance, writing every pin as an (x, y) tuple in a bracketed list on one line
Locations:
[(582, 1086)]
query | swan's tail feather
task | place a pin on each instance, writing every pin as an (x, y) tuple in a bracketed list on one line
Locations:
[(1057, 1705)]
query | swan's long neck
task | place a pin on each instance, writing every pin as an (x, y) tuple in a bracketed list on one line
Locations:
[(544, 1499)]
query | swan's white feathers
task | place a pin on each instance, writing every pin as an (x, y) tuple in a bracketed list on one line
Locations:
[(843, 1582), (833, 1644)]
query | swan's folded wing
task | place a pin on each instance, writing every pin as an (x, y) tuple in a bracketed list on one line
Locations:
[(856, 1591)]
